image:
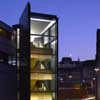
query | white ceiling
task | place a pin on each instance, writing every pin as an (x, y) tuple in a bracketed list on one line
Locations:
[(38, 26)]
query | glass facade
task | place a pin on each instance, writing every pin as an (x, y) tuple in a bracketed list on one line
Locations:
[(43, 59), (37, 56)]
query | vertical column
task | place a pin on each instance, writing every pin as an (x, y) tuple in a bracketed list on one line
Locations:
[(25, 54), (98, 65)]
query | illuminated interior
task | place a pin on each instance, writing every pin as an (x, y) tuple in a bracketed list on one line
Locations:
[(43, 59), (4, 33), (41, 96)]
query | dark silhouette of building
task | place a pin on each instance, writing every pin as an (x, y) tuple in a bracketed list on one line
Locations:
[(76, 79), (98, 63), (8, 76)]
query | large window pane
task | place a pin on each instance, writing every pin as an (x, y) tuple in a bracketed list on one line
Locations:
[(43, 60)]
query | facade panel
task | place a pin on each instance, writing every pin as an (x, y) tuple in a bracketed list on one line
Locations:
[(24, 54)]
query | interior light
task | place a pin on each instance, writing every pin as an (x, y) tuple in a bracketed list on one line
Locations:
[(51, 22), (70, 76), (49, 25), (42, 66), (41, 57), (94, 78), (43, 20), (97, 69), (38, 76), (0, 30), (91, 98), (41, 96)]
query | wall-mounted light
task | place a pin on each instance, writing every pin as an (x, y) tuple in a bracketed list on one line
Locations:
[(94, 78), (0, 30), (83, 81), (97, 69), (70, 76)]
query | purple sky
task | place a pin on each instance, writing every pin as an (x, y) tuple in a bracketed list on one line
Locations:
[(78, 22)]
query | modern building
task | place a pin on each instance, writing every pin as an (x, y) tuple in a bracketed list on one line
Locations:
[(29, 67), (36, 38), (76, 79), (28, 57)]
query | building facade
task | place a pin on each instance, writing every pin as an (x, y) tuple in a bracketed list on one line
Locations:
[(29, 63), (8, 77), (36, 38), (77, 79), (29, 57)]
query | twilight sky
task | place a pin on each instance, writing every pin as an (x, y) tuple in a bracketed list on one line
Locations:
[(78, 22)]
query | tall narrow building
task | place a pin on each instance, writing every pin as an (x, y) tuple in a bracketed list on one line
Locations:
[(98, 48), (98, 64), (37, 55)]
